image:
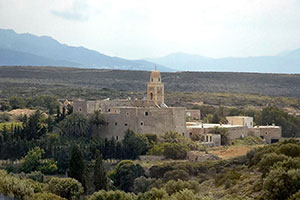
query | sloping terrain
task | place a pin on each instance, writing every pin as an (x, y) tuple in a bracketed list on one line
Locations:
[(247, 83)]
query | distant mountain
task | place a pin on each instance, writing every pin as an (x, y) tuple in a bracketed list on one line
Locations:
[(28, 49), (287, 62)]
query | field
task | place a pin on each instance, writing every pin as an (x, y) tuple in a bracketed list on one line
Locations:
[(35, 78), (182, 88)]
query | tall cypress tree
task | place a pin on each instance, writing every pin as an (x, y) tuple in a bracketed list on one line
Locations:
[(77, 166), (100, 178)]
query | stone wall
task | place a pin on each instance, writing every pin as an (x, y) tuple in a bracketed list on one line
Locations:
[(142, 120), (270, 133), (240, 120)]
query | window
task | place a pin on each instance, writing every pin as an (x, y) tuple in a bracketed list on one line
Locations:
[(151, 79), (108, 110), (182, 134), (159, 79), (125, 124), (127, 113), (210, 138), (117, 137), (191, 134), (142, 123), (116, 123), (79, 109), (151, 96), (146, 113)]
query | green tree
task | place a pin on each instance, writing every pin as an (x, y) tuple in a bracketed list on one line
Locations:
[(97, 119), (32, 161), (134, 145), (125, 173), (100, 177), (16, 102), (75, 125), (77, 168)]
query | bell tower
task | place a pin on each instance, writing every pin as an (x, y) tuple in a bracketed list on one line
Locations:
[(155, 89)]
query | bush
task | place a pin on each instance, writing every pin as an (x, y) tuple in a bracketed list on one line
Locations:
[(32, 160), (292, 150), (229, 177), (4, 117), (175, 150), (143, 184), (48, 167), (153, 194), (281, 184), (185, 195), (66, 187), (177, 174), (112, 195), (36, 176), (172, 186), (14, 187), (268, 160), (45, 196)]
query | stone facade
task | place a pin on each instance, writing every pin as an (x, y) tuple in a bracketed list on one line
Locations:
[(240, 120), (271, 134)]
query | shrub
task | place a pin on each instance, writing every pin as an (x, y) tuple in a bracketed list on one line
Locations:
[(281, 184), (175, 150), (172, 186), (112, 195), (290, 163), (229, 177), (45, 196), (36, 176), (143, 184), (268, 160), (185, 194), (177, 174), (66, 187), (292, 150), (153, 194), (32, 160), (48, 167), (14, 187)]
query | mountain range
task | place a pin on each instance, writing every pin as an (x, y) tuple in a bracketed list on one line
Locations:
[(287, 62), (29, 50)]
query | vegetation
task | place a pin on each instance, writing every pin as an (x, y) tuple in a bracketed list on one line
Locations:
[(52, 154)]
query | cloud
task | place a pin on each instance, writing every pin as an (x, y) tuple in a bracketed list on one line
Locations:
[(78, 11)]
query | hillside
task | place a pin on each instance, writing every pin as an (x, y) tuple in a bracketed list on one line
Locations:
[(288, 62), (218, 82), (45, 51)]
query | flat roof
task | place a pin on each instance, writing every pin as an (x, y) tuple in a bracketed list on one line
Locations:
[(197, 125)]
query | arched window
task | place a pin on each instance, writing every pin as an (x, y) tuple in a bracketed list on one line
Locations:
[(151, 96)]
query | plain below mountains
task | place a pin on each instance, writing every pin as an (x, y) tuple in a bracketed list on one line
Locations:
[(288, 62), (30, 50)]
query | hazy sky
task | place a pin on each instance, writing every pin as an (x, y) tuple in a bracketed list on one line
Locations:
[(151, 28)]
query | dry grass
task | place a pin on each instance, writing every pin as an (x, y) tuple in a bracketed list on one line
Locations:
[(231, 151)]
